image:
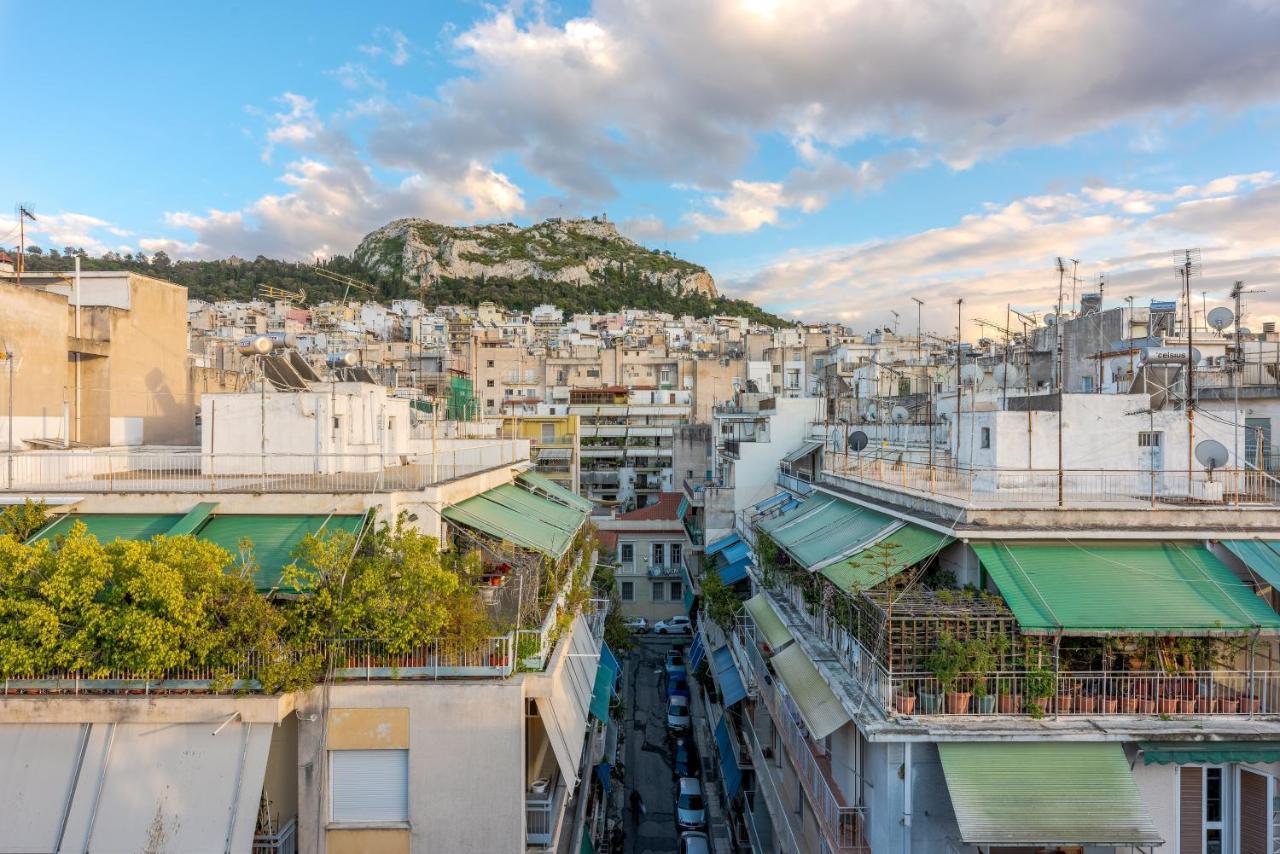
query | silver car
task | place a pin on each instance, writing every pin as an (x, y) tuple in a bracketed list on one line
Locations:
[(691, 812), (694, 842), (678, 713)]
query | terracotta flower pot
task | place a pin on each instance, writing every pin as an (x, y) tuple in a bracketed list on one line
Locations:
[(1250, 705), (1085, 705), (958, 702), (1109, 705), (905, 703), (1066, 703), (1146, 706), (1204, 705), (1228, 707), (1187, 706), (1042, 702), (1129, 704), (1009, 704), (1168, 705)]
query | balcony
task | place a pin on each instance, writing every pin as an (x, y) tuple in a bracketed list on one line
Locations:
[(664, 570), (282, 841), (732, 448), (798, 484), (542, 814), (696, 535)]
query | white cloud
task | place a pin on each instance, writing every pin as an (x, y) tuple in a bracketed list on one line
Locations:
[(391, 44), (355, 76), (295, 127), (1005, 254)]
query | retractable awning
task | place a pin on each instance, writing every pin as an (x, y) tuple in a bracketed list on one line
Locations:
[(735, 572), (553, 513), (821, 709), (109, 527), (801, 452), (734, 553), (727, 676), (770, 502), (527, 520), (682, 508), (1105, 588), (730, 773), (722, 544), (555, 453), (825, 527), (904, 547), (1045, 793), (274, 538), (544, 485), (1261, 556), (769, 625), (602, 691), (697, 652), (1208, 752)]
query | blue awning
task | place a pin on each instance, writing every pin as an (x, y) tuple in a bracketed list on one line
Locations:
[(735, 572), (730, 773), (697, 652), (602, 774), (771, 502), (723, 543), (790, 505), (602, 691), (727, 676), (735, 552), (608, 659)]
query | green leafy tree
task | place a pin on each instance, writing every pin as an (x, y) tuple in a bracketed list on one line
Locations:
[(20, 521), (616, 633), (719, 602)]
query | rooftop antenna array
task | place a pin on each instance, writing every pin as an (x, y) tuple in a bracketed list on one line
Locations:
[(23, 211), (1188, 266)]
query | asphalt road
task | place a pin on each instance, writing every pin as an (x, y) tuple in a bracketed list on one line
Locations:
[(648, 751)]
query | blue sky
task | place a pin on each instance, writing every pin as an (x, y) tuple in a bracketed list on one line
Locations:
[(828, 166)]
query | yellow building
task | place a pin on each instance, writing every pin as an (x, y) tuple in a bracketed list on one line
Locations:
[(555, 444)]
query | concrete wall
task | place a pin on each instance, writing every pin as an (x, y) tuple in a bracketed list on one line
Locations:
[(466, 765), (755, 472)]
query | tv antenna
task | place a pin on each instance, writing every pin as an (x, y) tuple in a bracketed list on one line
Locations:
[(1188, 267), (23, 211)]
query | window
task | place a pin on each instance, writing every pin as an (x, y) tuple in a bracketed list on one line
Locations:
[(628, 591), (793, 378), (658, 554), (591, 372), (677, 590), (1086, 385), (488, 363), (1213, 819), (1149, 439), (626, 553), (488, 404), (548, 431), (488, 383), (659, 587), (677, 552), (986, 437), (368, 785)]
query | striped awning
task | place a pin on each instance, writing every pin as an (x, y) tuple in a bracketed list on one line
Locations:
[(769, 626), (727, 676), (735, 572), (730, 773), (821, 709)]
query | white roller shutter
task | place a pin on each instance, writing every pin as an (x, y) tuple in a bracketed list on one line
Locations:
[(369, 785)]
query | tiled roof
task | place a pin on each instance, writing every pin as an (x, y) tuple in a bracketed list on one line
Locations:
[(665, 509)]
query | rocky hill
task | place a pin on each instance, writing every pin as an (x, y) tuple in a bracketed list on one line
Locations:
[(581, 252)]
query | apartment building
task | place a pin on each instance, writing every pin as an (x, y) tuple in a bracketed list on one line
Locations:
[(651, 550), (554, 442)]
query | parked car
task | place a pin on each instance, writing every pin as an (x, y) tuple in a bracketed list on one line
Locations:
[(691, 812), (678, 713), (673, 626), (694, 842), (674, 665), (684, 758), (677, 685), (636, 624)]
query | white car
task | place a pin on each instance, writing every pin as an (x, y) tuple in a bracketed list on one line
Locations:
[(691, 812), (673, 626), (678, 713), (694, 842), (636, 624)]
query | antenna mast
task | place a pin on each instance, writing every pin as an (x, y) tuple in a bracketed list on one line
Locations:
[(1189, 266), (24, 214)]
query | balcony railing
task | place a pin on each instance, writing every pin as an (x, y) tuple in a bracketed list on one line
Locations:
[(542, 813), (1005, 487), (193, 471), (283, 841), (1127, 692), (842, 825), (800, 485), (732, 448)]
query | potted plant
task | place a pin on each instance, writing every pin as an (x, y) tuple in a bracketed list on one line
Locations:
[(981, 662), (1228, 705), (1168, 703), (930, 704), (1008, 702), (947, 661), (905, 701), (1040, 682)]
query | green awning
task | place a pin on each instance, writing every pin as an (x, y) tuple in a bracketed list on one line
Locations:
[(768, 623), (1045, 793), (1128, 588), (541, 483), (512, 497), (905, 547), (605, 676), (195, 517), (1208, 752), (821, 709), (825, 527), (526, 529), (108, 527), (274, 538), (1261, 556)]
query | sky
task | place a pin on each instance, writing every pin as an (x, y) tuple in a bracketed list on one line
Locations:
[(828, 160)]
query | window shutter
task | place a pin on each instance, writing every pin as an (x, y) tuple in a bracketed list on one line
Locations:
[(1191, 810), (1255, 822), (369, 785)]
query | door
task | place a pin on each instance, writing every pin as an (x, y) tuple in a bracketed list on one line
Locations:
[(548, 432), (1257, 442), (1254, 813), (1151, 457)]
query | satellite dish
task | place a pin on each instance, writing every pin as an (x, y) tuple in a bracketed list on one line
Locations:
[(900, 414), (972, 373), (857, 441), (1005, 375), (1211, 453), (1220, 318), (1050, 319)]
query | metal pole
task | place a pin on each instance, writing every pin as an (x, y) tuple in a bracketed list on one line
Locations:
[(8, 355)]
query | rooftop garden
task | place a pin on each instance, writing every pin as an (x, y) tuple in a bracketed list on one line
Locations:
[(385, 600)]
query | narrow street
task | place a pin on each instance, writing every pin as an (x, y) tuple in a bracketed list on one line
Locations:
[(648, 750)]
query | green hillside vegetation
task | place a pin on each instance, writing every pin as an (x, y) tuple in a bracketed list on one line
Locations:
[(237, 279)]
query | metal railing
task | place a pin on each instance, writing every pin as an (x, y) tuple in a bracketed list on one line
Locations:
[(541, 814), (801, 485), (841, 824), (1125, 692), (193, 471), (1006, 487), (283, 841)]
